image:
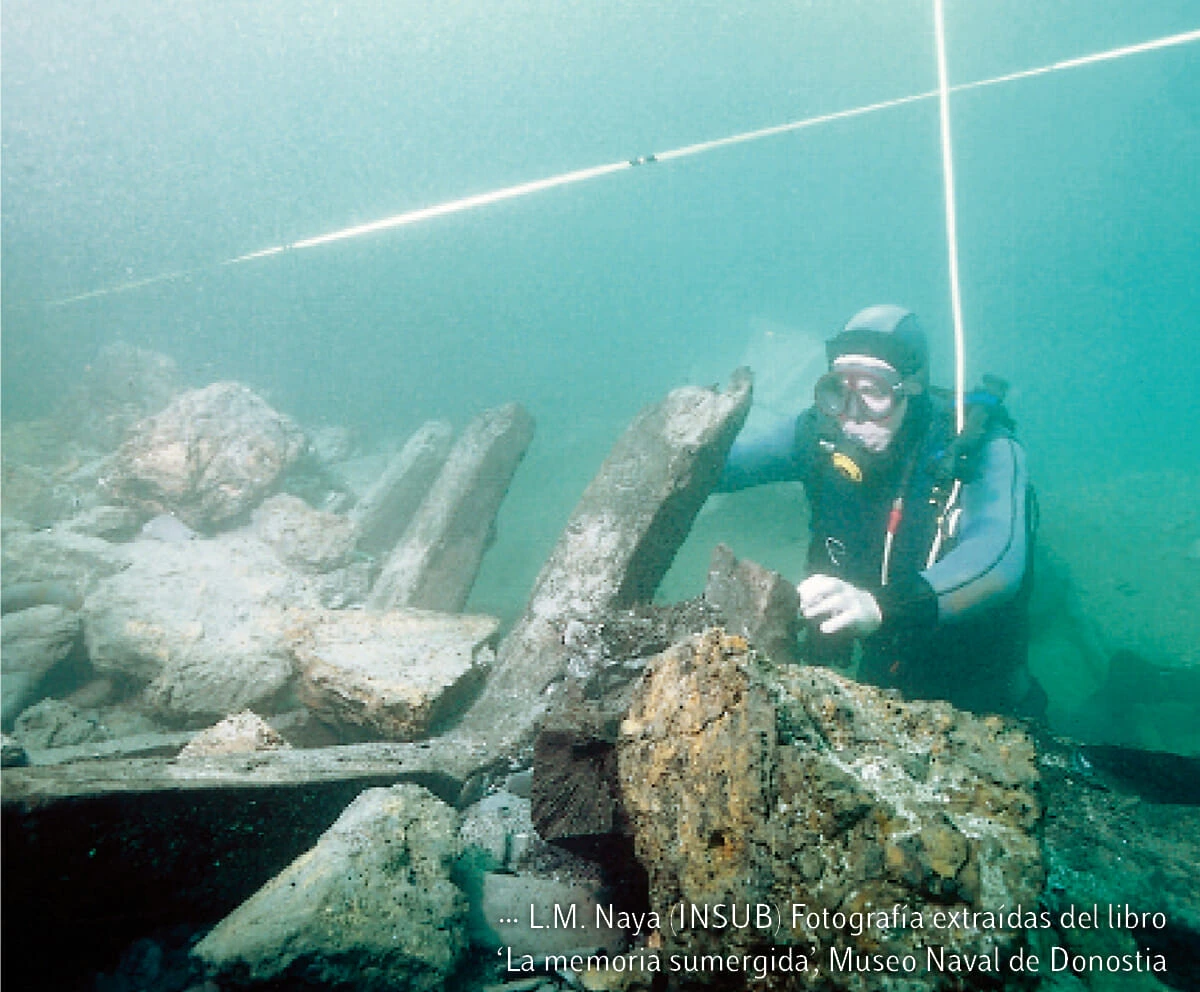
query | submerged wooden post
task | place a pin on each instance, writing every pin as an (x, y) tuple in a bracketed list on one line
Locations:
[(618, 544), (436, 560)]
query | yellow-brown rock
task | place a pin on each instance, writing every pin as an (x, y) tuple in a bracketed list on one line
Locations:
[(751, 785)]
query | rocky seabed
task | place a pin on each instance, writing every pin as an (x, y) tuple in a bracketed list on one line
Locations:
[(251, 739)]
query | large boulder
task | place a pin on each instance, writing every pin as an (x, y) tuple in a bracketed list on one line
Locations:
[(305, 538), (54, 723), (371, 905), (119, 387), (395, 675), (197, 626), (56, 566), (40, 494), (318, 543), (34, 641), (53, 466), (797, 789), (209, 457)]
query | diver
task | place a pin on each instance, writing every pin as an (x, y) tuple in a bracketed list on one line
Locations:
[(920, 537)]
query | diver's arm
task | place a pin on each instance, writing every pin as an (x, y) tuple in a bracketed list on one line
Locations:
[(773, 455), (987, 563)]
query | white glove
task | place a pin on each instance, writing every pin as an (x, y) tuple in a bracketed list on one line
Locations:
[(839, 605)]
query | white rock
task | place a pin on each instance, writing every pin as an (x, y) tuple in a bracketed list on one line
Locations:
[(313, 540), (200, 624), (499, 829), (392, 674), (34, 641), (212, 454), (241, 733)]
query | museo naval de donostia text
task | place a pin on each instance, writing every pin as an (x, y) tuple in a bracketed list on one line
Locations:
[(768, 919)]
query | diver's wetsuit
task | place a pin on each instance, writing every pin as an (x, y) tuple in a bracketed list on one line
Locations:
[(956, 630)]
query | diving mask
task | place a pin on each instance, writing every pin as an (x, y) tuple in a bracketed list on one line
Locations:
[(861, 391)]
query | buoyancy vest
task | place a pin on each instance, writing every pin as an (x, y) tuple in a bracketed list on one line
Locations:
[(849, 522)]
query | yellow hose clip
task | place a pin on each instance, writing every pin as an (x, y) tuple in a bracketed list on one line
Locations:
[(847, 466)]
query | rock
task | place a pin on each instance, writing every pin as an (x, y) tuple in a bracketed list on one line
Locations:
[(385, 510), (198, 626), (12, 754), (55, 723), (520, 783), (749, 783), (22, 596), (109, 523), (333, 443), (119, 387), (1104, 845), (344, 588), (315, 482), (60, 556), (308, 539), (508, 871), (38, 637), (125, 718), (605, 653), (617, 545), (303, 729), (185, 856), (93, 692), (162, 964), (209, 457), (498, 831), (242, 733), (574, 787), (436, 560), (755, 602), (371, 904), (518, 911), (35, 491), (51, 466), (34, 641), (394, 675), (36, 496)]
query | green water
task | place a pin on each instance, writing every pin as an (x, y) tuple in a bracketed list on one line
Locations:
[(140, 139)]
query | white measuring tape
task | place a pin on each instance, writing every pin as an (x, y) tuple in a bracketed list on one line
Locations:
[(960, 384), (581, 175)]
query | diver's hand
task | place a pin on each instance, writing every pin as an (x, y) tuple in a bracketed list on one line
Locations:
[(838, 605)]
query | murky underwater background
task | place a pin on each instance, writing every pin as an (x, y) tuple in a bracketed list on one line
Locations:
[(141, 139)]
